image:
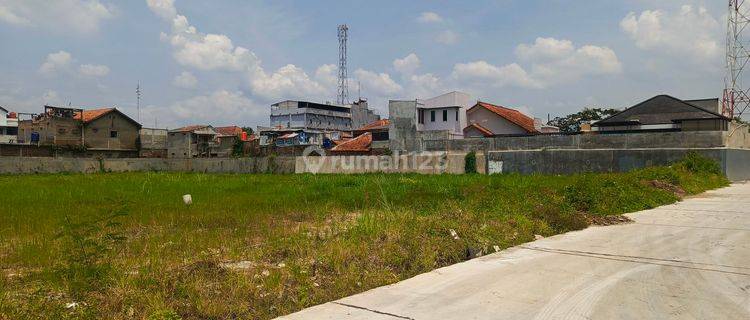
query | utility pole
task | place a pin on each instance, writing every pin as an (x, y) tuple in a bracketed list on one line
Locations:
[(138, 98), (343, 94)]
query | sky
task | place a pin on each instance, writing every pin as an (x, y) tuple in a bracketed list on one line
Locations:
[(224, 62)]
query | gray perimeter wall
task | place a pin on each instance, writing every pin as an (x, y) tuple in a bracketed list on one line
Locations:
[(734, 162), (19, 165)]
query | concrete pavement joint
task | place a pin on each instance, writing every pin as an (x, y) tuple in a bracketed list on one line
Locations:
[(634, 260), (690, 227), (633, 257), (371, 310)]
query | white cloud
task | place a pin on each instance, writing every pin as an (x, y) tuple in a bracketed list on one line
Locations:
[(408, 65), (430, 17), (91, 70), (32, 103), (688, 32), (554, 61), (56, 62), (482, 71), (425, 85), (80, 16), (447, 37), (222, 107), (287, 82), (545, 49), (185, 80), (217, 52), (379, 83), (163, 8), (327, 75)]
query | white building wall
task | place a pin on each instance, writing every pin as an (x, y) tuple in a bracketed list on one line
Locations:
[(493, 122), (445, 102)]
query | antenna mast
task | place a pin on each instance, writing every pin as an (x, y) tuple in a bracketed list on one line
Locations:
[(343, 94), (736, 98), (138, 97)]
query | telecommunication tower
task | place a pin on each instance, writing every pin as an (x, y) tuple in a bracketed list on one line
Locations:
[(343, 92), (138, 100), (736, 97)]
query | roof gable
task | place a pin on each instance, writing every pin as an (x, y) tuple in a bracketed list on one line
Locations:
[(361, 143), (484, 131), (661, 109), (512, 115), (94, 114)]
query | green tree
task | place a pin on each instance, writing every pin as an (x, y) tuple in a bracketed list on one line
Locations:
[(572, 122)]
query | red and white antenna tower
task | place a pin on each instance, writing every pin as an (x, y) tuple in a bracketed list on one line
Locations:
[(736, 98)]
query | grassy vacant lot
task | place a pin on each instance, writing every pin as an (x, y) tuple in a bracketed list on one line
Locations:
[(124, 246)]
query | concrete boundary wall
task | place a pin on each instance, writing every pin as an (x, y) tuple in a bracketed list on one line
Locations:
[(734, 162), (20, 165), (423, 163), (652, 140)]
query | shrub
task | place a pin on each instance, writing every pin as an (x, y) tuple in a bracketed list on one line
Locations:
[(86, 264), (697, 163), (470, 162)]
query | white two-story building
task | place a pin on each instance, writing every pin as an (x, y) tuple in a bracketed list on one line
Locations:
[(446, 112), (8, 126)]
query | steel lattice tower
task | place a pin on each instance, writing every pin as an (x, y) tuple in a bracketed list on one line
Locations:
[(736, 98), (343, 93)]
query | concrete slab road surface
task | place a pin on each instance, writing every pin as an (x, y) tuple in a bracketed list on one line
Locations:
[(689, 260)]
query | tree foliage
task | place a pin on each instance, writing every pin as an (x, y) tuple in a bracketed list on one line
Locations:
[(572, 122)]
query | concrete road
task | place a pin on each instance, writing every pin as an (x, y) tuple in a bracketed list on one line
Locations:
[(690, 260)]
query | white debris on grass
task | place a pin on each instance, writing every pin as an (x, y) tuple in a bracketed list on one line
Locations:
[(454, 234), (497, 248), (538, 237), (187, 199), (239, 265)]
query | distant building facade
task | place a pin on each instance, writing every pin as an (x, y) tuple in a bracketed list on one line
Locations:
[(8, 126), (104, 132), (153, 143), (311, 116), (362, 115), (196, 141), (446, 112)]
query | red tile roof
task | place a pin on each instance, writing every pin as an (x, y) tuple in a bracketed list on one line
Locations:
[(93, 114), (377, 125), (511, 115), (229, 131), (359, 144), (486, 132)]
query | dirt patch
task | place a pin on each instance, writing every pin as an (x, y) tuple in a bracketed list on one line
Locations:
[(666, 186), (609, 220)]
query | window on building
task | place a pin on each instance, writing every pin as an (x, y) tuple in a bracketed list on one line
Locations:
[(432, 115), (113, 134), (445, 115), (420, 115), (456, 115)]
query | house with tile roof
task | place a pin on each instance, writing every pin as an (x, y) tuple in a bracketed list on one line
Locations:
[(106, 132), (489, 120), (666, 113), (361, 145)]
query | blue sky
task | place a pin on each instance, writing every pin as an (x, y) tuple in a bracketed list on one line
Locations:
[(224, 62)]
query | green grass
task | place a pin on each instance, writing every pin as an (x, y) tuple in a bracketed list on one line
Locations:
[(125, 246)]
